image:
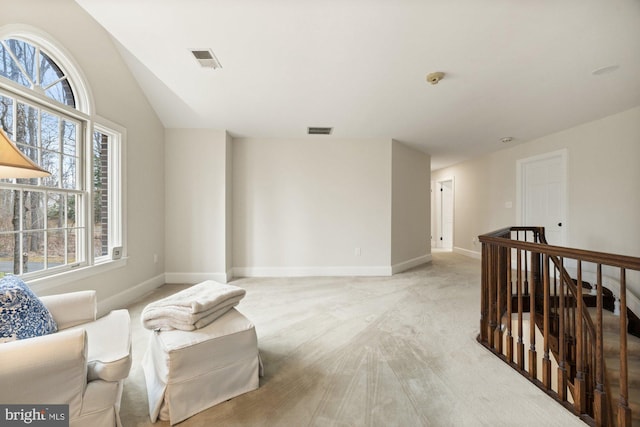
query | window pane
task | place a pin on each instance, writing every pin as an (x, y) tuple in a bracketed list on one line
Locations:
[(51, 163), (33, 218), (27, 125), (55, 248), (33, 252), (7, 213), (61, 92), (55, 211), (6, 115), (50, 73), (69, 171), (9, 68), (27, 130), (72, 244), (26, 56), (50, 131), (69, 132), (71, 210), (7, 246), (54, 82)]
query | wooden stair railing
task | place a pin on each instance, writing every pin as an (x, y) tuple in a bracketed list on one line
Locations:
[(524, 276)]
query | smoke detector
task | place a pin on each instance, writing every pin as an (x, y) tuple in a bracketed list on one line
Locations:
[(434, 78), (206, 58)]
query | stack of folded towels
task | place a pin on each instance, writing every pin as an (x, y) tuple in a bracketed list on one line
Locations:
[(192, 308)]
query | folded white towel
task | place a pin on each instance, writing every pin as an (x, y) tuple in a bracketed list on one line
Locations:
[(173, 318), (192, 308)]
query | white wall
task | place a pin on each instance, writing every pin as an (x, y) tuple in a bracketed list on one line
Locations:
[(292, 207), (119, 99), (304, 206), (603, 177), (410, 224), (197, 205)]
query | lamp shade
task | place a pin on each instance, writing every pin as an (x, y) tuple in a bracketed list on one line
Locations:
[(14, 164)]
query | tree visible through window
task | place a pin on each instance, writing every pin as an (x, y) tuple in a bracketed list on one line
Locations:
[(45, 223)]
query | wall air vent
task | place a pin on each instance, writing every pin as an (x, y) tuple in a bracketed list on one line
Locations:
[(206, 58), (319, 131)]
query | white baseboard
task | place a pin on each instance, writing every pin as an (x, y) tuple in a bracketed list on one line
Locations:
[(406, 265), (311, 271), (467, 252), (125, 298), (193, 278)]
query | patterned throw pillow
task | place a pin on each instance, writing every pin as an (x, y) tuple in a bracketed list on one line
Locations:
[(22, 314)]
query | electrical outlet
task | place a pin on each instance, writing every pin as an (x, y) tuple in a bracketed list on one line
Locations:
[(357, 252), (116, 252), (155, 258)]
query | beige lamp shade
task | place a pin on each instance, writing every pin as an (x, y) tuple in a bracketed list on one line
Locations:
[(14, 164)]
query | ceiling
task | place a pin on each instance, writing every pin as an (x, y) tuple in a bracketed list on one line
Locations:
[(522, 69)]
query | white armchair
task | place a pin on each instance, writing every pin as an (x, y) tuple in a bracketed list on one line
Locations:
[(83, 365)]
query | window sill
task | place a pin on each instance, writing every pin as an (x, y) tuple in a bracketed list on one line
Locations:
[(46, 283)]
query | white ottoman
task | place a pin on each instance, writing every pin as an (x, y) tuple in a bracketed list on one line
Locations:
[(189, 371)]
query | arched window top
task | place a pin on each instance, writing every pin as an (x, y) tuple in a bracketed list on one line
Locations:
[(30, 67), (32, 60)]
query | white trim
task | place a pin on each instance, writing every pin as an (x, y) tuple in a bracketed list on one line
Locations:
[(406, 265), (117, 178), (48, 283), (312, 271), (193, 278), (467, 252), (128, 296)]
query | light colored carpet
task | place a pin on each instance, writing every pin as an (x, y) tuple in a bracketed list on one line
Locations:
[(383, 351)]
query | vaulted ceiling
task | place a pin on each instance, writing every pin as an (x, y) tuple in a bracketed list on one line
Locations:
[(520, 69)]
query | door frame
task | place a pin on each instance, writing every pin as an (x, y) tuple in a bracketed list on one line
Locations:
[(437, 212), (521, 188)]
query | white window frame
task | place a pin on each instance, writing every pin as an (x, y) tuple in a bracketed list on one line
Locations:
[(116, 188), (84, 112)]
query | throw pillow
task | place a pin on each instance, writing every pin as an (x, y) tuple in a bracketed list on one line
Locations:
[(22, 314)]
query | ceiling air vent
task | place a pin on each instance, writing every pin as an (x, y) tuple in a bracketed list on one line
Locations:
[(319, 131), (206, 58)]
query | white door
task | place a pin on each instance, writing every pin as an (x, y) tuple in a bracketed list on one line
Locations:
[(446, 195), (443, 214), (542, 194)]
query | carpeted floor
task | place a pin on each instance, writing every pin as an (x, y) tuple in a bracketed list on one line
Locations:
[(363, 351)]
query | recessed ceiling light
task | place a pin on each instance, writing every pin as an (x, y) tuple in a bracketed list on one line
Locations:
[(206, 58), (605, 70)]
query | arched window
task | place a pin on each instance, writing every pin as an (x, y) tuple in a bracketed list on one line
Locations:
[(30, 67), (49, 225)]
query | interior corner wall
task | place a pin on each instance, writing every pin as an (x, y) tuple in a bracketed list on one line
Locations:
[(197, 192), (229, 206), (603, 200), (411, 207), (119, 99), (311, 207)]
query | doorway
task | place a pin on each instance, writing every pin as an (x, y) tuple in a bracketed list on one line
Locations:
[(443, 213), (541, 194)]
